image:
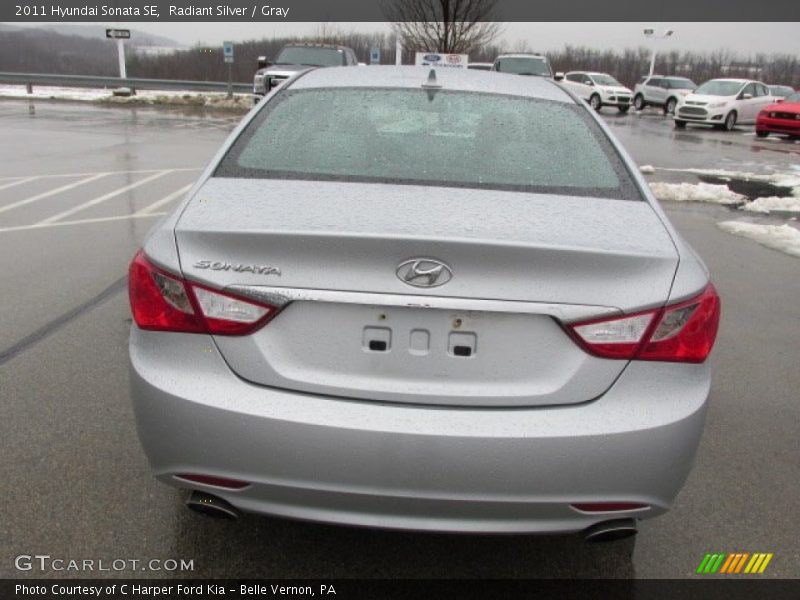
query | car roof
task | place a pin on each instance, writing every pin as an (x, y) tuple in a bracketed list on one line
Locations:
[(467, 80), (314, 45), (734, 80)]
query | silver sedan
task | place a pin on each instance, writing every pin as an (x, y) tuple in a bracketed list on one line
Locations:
[(419, 299)]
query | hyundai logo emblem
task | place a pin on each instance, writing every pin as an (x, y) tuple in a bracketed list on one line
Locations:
[(424, 272)]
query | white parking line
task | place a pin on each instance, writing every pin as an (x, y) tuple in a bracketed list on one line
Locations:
[(81, 222), (53, 192), (163, 201), (53, 175), (17, 182), (103, 198)]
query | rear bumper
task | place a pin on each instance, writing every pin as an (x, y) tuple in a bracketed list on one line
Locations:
[(411, 467)]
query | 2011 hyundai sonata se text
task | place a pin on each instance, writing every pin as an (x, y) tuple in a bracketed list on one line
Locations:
[(422, 300)]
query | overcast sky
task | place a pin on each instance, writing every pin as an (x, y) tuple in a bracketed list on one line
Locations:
[(743, 38)]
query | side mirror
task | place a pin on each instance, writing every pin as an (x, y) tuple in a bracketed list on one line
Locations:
[(263, 63), (558, 76), (591, 83), (746, 96), (779, 100)]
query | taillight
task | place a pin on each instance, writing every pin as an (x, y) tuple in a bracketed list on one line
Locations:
[(681, 332), (161, 301)]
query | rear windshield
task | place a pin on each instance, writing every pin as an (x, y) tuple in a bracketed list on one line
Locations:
[(420, 137), (523, 65), (314, 57)]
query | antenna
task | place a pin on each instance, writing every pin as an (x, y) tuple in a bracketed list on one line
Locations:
[(431, 82)]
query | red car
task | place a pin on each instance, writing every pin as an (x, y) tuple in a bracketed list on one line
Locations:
[(782, 117)]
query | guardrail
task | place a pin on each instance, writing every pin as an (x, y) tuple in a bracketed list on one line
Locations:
[(134, 83)]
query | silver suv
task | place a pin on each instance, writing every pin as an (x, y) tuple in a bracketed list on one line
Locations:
[(658, 90), (296, 57)]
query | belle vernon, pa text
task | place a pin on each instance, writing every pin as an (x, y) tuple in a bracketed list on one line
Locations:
[(103, 10)]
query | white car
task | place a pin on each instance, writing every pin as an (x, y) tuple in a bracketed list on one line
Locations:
[(723, 103), (657, 90), (598, 89)]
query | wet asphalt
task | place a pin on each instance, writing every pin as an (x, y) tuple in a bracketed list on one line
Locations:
[(76, 483)]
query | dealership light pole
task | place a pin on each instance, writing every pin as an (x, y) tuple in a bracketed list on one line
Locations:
[(651, 34)]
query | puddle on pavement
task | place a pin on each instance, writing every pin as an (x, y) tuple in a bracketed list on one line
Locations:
[(749, 188)]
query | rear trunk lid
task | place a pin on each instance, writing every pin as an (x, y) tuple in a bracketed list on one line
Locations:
[(489, 336)]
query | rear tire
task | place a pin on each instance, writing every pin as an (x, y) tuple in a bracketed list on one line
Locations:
[(762, 134), (638, 102), (623, 109), (680, 124), (730, 121), (595, 102), (669, 107)]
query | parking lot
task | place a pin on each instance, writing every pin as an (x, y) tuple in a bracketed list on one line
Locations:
[(80, 186)]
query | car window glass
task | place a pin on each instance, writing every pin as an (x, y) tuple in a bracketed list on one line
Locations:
[(719, 87), (750, 88), (654, 81), (414, 137), (523, 65), (311, 56)]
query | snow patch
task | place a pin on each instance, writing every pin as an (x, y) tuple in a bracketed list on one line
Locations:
[(647, 169), (695, 192), (791, 180), (142, 97), (767, 205), (778, 237)]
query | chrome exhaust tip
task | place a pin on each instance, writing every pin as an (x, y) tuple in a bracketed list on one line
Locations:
[(611, 531), (210, 505)]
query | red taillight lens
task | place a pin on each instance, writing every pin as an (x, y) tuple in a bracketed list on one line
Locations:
[(161, 301), (686, 331), (682, 332)]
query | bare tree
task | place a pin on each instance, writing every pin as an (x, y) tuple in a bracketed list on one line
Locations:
[(453, 26)]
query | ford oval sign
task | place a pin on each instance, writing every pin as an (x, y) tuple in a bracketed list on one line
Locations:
[(432, 57)]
